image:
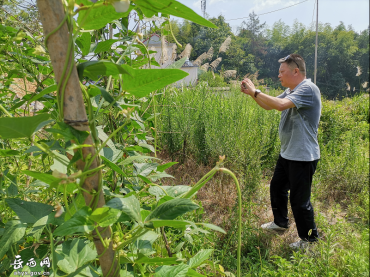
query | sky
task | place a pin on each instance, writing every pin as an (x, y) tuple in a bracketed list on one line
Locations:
[(351, 12)]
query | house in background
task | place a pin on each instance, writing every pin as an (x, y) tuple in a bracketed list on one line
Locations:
[(166, 55)]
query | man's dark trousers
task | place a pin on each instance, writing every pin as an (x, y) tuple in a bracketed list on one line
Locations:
[(295, 176)]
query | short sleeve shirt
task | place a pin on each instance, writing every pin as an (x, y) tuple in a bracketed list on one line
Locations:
[(299, 125)]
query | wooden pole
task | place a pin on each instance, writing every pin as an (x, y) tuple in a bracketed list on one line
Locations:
[(317, 31), (52, 13)]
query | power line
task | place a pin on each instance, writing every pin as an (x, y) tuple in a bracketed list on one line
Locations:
[(268, 12), (313, 12), (317, 31)]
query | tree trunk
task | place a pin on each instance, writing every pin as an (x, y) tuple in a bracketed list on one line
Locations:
[(52, 13)]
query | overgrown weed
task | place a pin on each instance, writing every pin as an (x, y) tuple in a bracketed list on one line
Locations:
[(232, 124)]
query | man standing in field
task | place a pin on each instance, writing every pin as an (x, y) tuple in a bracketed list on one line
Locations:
[(300, 106)]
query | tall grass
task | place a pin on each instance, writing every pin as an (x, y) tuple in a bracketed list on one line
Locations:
[(202, 124), (343, 172)]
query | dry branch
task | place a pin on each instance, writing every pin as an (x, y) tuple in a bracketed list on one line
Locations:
[(210, 53), (205, 66), (215, 63), (225, 45), (186, 52), (229, 74), (200, 59)]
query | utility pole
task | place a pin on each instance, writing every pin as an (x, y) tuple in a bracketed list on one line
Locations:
[(317, 31), (203, 6)]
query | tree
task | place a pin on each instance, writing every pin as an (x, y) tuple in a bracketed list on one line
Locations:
[(254, 30)]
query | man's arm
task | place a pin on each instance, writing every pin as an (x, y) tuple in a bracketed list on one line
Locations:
[(279, 104), (258, 100), (266, 101)]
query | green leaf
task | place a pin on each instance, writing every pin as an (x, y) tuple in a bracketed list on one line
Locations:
[(144, 214), (69, 132), (173, 191), (105, 45), (163, 167), (159, 175), (213, 227), (125, 273), (70, 188), (144, 169), (193, 273), (28, 212), (12, 190), (79, 223), (178, 247), (8, 153), (65, 133), (129, 205), (16, 106), (103, 136), (58, 165), (199, 258), (111, 154), (43, 92), (20, 127), (14, 231), (145, 242), (43, 124), (164, 199), (179, 224), (172, 7), (95, 69), (100, 16), (138, 158), (105, 216), (107, 97), (144, 81), (156, 261), (39, 226), (80, 203), (172, 209), (26, 254), (84, 2), (146, 180), (113, 166), (145, 145), (176, 191), (44, 177), (72, 255), (84, 42), (178, 64), (172, 271)]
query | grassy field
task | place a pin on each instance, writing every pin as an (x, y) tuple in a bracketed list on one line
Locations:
[(196, 125)]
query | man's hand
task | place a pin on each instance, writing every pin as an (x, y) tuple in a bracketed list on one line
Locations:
[(247, 87)]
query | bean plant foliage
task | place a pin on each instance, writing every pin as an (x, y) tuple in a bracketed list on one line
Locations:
[(46, 225)]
